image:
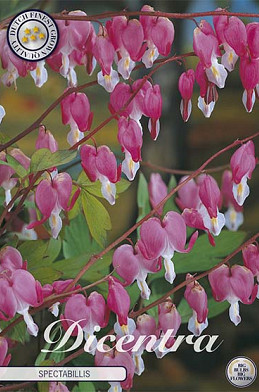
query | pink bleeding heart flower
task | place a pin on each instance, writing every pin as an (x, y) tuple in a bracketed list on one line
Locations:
[(159, 34), (210, 196), (118, 99), (104, 52), (130, 139), (235, 35), (145, 325), (233, 284), (14, 65), (175, 230), (196, 297), (89, 312), (251, 260), (249, 75), (112, 357), (234, 214), (6, 172), (252, 30), (46, 140), (58, 287), (157, 190), (118, 301), (242, 164), (19, 290), (206, 47), (4, 358), (208, 92), (51, 197), (188, 194), (164, 239), (162, 34), (153, 109), (140, 88), (73, 35), (115, 27), (152, 239), (11, 259), (185, 85), (195, 213), (76, 112), (100, 164), (230, 57), (168, 318), (135, 47), (130, 265), (55, 386)]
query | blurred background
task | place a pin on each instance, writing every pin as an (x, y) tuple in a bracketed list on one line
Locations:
[(180, 145)]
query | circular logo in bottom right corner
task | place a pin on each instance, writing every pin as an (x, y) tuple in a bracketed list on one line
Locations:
[(241, 372)]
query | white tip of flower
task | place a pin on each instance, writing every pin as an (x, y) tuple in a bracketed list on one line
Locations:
[(145, 290), (217, 73), (74, 136), (65, 65), (54, 309), (195, 327), (40, 74), (108, 81), (169, 270), (108, 190), (244, 100), (241, 191), (229, 58), (233, 219), (71, 77), (8, 197), (189, 110), (2, 113), (157, 128), (32, 328), (115, 387), (139, 364), (127, 329), (150, 56), (217, 224), (125, 66), (234, 313), (129, 167), (206, 109), (55, 223)]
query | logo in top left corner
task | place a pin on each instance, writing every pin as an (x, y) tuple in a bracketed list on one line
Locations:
[(32, 35)]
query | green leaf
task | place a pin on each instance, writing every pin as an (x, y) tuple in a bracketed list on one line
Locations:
[(84, 387), (204, 256), (13, 163), (142, 198), (44, 159), (215, 308), (40, 252), (97, 217), (70, 267), (170, 204), (77, 240), (40, 256), (46, 274), (134, 294), (18, 333)]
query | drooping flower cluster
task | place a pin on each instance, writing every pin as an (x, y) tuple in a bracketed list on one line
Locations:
[(238, 41), (19, 290)]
